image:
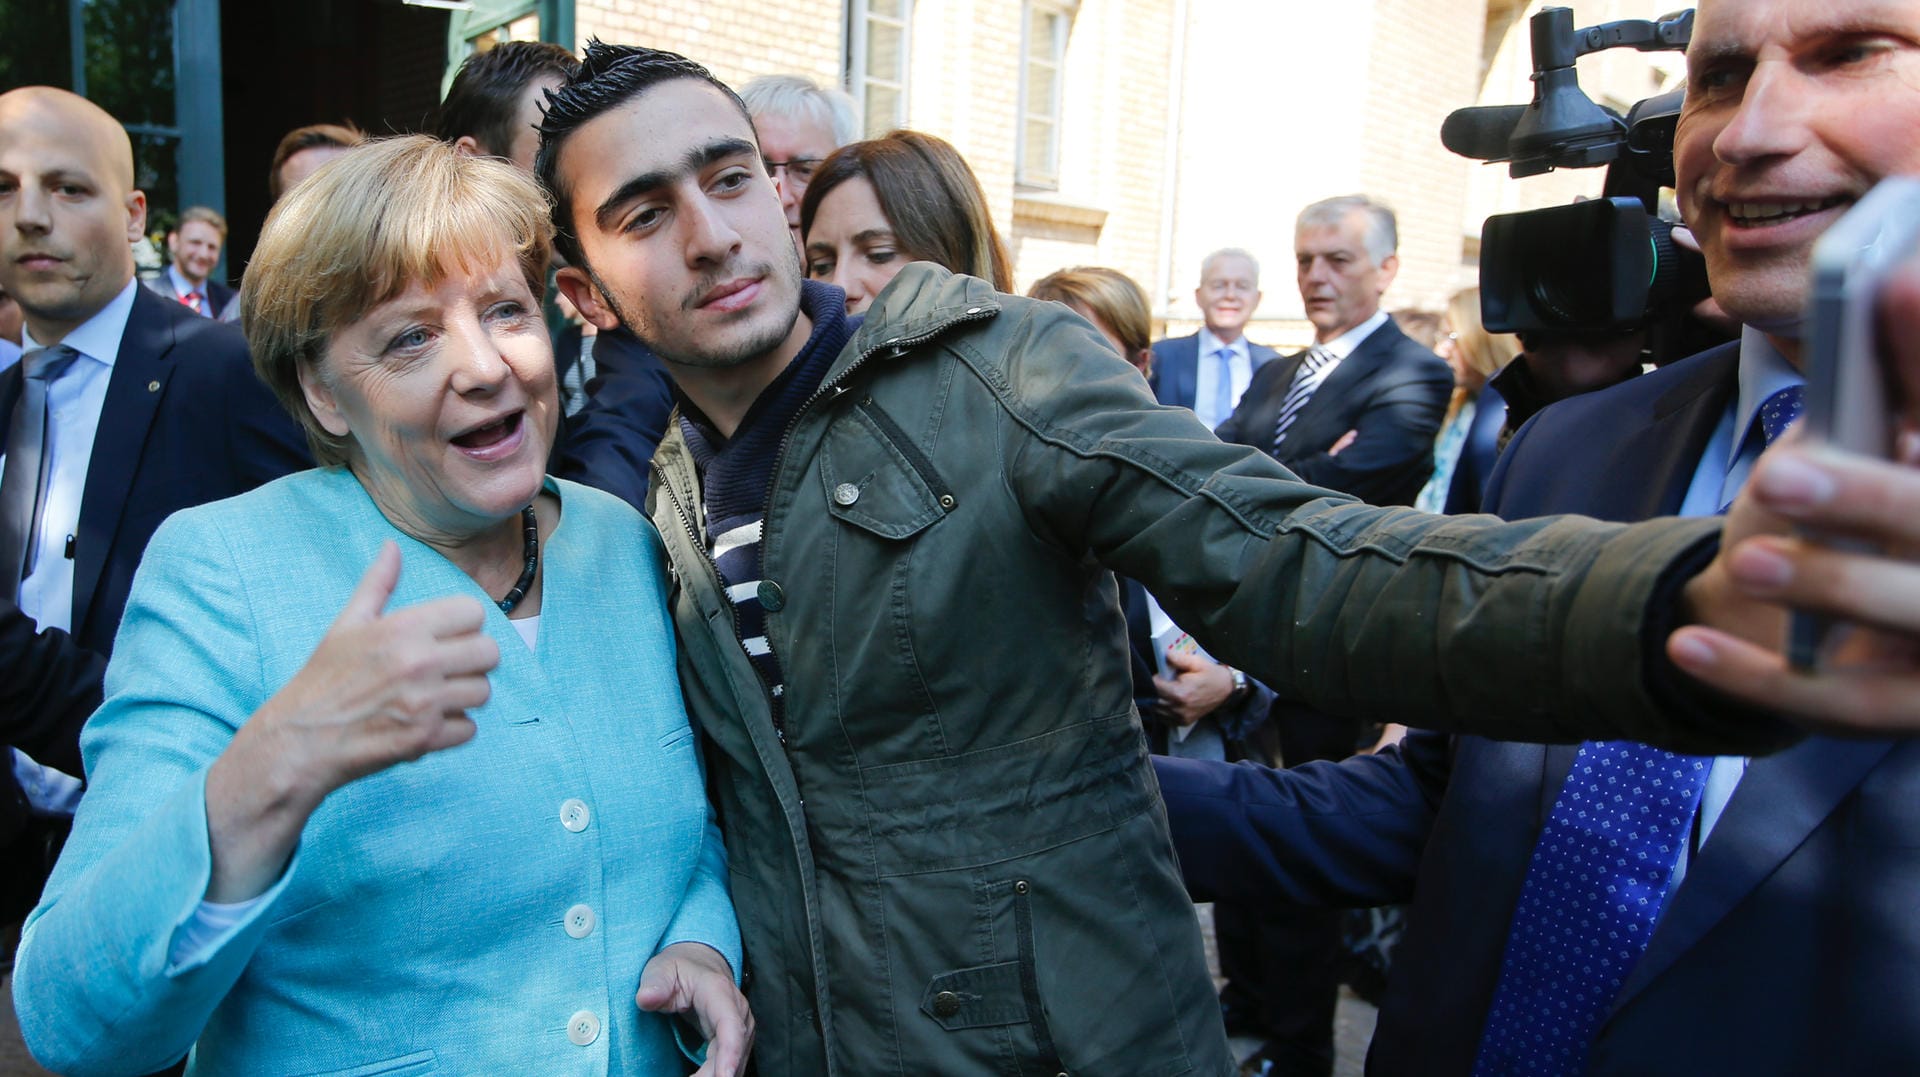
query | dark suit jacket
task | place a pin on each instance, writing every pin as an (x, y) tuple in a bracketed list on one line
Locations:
[(609, 443), (185, 421), (219, 296), (1789, 948), (1390, 389), (1176, 367), (1468, 487)]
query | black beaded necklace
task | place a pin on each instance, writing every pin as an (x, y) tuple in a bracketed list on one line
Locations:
[(532, 554)]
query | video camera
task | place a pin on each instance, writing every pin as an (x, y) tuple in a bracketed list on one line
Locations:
[(1607, 265)]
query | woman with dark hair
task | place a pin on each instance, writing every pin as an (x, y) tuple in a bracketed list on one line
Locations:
[(874, 206)]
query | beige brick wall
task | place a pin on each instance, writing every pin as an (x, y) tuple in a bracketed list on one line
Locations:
[(736, 39), (1424, 64)]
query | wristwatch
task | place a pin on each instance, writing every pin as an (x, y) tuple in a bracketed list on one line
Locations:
[(1239, 683)]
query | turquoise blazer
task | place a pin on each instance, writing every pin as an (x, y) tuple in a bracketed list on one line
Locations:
[(484, 910)]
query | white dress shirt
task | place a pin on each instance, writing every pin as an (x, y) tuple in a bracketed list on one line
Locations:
[(1206, 376), (1343, 345)]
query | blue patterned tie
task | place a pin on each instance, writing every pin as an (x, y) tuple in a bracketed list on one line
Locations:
[(1223, 386), (1592, 895), (1780, 410)]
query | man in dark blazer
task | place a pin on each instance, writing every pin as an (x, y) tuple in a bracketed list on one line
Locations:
[(194, 246), (177, 417), (1207, 371), (1358, 411), (1790, 943), (1780, 934)]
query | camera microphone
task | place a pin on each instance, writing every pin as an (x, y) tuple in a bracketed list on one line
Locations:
[(1481, 133)]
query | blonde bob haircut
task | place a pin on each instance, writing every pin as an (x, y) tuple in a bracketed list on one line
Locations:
[(1108, 293), (368, 225)]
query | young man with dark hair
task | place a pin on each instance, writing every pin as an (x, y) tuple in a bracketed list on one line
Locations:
[(493, 107), (891, 544)]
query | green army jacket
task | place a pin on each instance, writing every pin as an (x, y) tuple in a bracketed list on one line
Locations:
[(956, 862)]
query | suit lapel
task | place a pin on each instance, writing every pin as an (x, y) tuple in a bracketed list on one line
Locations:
[(139, 380), (1681, 423), (1188, 372), (1780, 801), (1559, 764), (1359, 365), (10, 384)]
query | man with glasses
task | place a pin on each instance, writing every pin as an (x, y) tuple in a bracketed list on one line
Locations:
[(1208, 370), (799, 123)]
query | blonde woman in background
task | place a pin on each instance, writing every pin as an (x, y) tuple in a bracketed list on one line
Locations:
[(1468, 442)]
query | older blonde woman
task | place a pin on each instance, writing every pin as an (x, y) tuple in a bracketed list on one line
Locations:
[(440, 814)]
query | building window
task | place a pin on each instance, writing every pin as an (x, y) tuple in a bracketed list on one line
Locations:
[(1043, 65), (480, 25), (877, 61), (524, 28)]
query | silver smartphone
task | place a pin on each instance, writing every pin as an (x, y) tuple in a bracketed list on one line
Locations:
[(1850, 401)]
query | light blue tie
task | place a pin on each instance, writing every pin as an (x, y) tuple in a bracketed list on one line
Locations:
[(1223, 386), (1593, 893)]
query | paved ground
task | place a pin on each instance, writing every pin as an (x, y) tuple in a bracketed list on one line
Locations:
[(1352, 1023)]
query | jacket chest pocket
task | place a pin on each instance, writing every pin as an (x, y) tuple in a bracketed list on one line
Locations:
[(878, 479)]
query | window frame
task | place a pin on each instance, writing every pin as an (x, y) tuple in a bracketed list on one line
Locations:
[(860, 15), (1059, 13)]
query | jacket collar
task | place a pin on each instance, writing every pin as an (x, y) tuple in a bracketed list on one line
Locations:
[(921, 303)]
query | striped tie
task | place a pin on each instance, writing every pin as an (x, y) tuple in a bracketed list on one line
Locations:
[(1313, 370)]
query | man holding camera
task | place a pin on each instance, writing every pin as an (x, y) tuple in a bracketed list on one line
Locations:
[(1754, 916)]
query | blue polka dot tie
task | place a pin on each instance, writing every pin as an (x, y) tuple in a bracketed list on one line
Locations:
[(1780, 410), (1592, 895)]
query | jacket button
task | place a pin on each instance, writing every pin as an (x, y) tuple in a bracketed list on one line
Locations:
[(772, 598), (846, 494), (947, 501), (946, 1004), (583, 1028), (579, 922), (574, 814), (1020, 887)]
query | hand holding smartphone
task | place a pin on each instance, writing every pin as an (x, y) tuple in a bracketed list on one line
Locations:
[(1851, 402)]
